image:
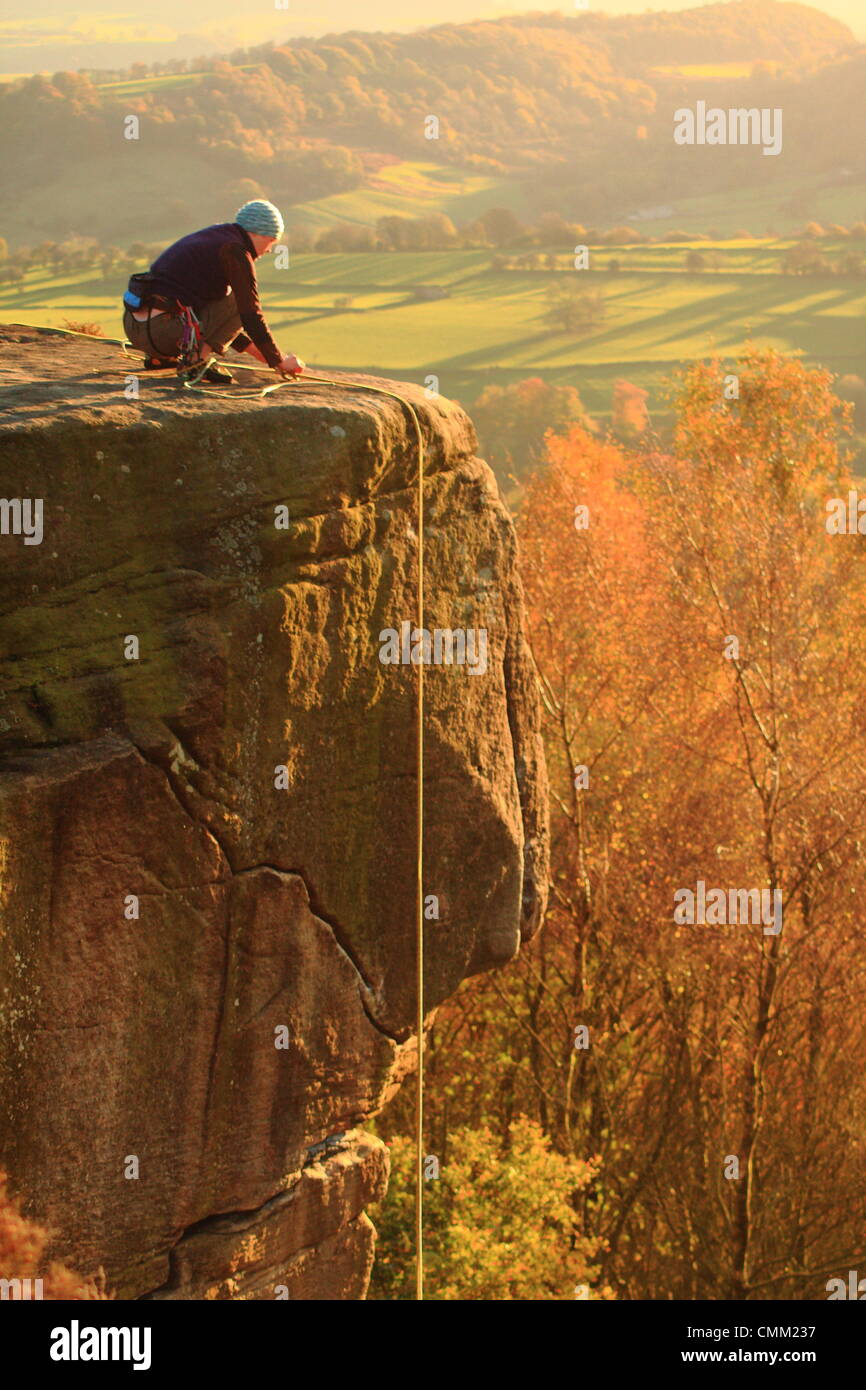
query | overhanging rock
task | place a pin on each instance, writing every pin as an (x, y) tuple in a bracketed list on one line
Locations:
[(207, 807)]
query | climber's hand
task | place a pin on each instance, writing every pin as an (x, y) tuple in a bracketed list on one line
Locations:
[(291, 365)]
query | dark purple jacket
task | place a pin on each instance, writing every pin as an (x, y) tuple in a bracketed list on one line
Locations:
[(204, 266)]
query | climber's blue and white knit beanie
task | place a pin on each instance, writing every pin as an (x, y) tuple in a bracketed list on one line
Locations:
[(261, 217)]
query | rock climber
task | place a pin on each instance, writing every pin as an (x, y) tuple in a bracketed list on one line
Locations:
[(201, 296)]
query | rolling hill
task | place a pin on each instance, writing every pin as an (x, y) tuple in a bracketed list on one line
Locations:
[(542, 111)]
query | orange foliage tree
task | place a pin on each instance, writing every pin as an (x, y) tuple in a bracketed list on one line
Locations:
[(699, 640)]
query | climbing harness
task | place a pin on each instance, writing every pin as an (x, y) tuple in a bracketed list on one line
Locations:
[(191, 383), (142, 295)]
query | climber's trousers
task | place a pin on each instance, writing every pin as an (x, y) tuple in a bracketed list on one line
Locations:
[(161, 337)]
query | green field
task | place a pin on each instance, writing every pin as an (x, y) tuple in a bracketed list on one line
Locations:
[(136, 86), (491, 328), (145, 197), (412, 188), (775, 209), (141, 195)]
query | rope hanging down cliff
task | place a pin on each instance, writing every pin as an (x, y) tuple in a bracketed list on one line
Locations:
[(190, 383)]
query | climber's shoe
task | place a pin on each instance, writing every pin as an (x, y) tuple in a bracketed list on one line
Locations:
[(159, 364), (218, 376)]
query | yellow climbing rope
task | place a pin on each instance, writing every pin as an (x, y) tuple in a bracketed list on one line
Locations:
[(192, 384)]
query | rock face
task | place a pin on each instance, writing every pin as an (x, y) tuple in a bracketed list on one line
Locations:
[(207, 806)]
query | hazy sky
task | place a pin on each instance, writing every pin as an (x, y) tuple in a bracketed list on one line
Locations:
[(53, 34)]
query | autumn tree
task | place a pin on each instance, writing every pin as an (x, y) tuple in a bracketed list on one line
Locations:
[(698, 634), (571, 309), (630, 416), (500, 1221), (513, 420)]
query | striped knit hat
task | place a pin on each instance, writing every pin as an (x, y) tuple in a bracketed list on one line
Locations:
[(261, 217)]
